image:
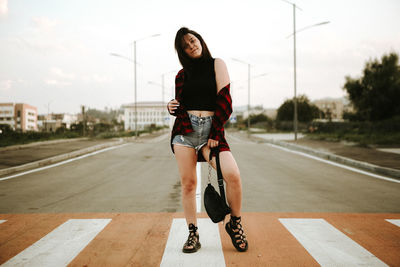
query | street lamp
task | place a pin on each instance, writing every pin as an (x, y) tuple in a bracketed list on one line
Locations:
[(162, 96), (248, 92), (162, 80), (134, 64), (162, 86), (294, 60)]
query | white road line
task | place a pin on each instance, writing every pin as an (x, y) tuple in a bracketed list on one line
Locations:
[(329, 246), (210, 253), (198, 188), (61, 163), (2, 221), (394, 221), (337, 164), (62, 245), (236, 139)]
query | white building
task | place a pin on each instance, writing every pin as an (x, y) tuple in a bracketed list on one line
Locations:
[(7, 114), (69, 119), (334, 108), (254, 110), (51, 122), (19, 116), (149, 113)]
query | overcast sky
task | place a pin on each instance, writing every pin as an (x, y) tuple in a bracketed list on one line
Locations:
[(56, 54)]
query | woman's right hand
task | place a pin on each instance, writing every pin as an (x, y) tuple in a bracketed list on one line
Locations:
[(173, 105)]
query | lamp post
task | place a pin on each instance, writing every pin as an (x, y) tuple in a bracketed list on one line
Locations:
[(162, 88), (248, 90), (134, 64), (294, 61), (162, 96), (248, 93), (162, 80), (162, 85)]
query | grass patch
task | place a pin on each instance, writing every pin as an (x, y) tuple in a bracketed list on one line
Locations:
[(16, 138), (361, 139)]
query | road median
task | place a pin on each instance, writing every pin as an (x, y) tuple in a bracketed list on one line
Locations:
[(319, 150), (393, 173), (58, 158)]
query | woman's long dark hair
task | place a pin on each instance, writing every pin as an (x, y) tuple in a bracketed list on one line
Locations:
[(186, 61)]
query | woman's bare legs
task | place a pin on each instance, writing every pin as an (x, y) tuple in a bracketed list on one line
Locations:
[(187, 160), (231, 174)]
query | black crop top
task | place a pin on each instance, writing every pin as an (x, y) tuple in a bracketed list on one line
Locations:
[(199, 86)]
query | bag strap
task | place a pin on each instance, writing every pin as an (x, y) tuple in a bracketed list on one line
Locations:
[(219, 172)]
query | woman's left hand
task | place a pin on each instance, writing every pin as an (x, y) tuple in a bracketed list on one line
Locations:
[(212, 143)]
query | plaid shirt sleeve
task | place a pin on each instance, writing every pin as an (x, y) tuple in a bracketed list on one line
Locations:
[(222, 113), (182, 124)]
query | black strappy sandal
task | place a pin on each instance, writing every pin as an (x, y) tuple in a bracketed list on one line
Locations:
[(193, 240), (237, 237)]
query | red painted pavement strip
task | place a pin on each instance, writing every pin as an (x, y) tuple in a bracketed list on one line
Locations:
[(139, 239)]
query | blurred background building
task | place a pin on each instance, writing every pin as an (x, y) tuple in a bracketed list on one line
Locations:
[(333, 108), (19, 116), (149, 113)]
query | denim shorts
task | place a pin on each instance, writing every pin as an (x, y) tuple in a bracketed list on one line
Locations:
[(198, 138)]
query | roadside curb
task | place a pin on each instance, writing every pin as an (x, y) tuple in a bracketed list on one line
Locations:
[(392, 173), (50, 142), (58, 158)]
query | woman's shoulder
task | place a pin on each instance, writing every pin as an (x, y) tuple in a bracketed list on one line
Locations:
[(221, 74), (219, 61), (219, 65)]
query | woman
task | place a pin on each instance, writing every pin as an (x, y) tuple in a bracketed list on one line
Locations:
[(202, 105)]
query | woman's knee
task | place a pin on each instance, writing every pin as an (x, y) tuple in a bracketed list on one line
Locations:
[(188, 185), (230, 169), (233, 176)]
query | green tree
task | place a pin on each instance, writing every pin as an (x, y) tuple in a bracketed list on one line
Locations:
[(376, 95), (259, 118), (305, 110)]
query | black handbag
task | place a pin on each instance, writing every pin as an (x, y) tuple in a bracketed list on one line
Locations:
[(214, 203)]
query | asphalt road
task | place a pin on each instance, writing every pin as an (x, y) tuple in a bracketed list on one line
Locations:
[(143, 177)]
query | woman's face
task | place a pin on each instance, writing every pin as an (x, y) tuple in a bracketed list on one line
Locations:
[(192, 46)]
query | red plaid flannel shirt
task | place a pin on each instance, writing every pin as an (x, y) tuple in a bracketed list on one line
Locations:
[(223, 110)]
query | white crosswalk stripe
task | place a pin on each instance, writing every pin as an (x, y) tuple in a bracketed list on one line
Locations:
[(394, 221), (198, 188), (327, 245), (62, 245), (210, 254)]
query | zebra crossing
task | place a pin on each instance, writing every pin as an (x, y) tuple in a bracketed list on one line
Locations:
[(156, 239)]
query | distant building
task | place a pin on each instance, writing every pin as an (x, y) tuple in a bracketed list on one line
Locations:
[(255, 110), (120, 118), (333, 108), (148, 113), (51, 122), (19, 116)]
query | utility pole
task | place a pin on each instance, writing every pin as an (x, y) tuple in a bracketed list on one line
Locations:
[(248, 101), (294, 63), (83, 120)]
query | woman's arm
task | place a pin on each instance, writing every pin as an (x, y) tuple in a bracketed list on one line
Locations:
[(222, 81), (174, 104), (221, 74)]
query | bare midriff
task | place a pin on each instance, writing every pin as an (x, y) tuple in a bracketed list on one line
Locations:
[(201, 113)]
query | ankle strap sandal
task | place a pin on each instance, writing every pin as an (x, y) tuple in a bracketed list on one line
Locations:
[(235, 230), (193, 242)]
